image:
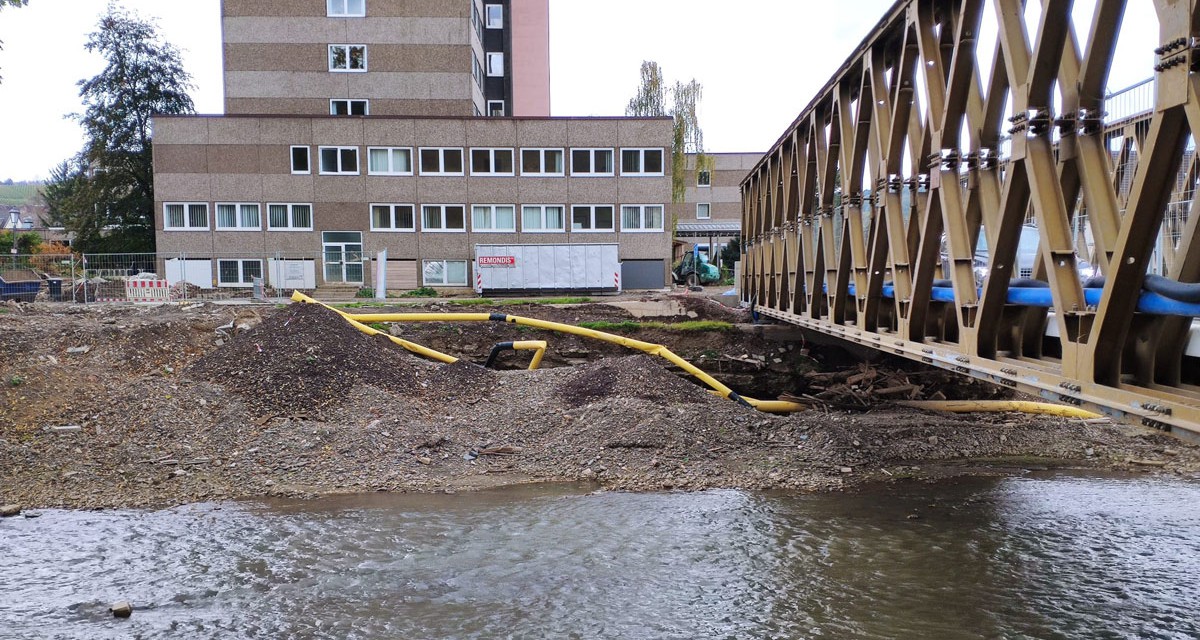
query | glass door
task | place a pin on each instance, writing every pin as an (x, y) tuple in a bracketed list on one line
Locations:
[(343, 256)]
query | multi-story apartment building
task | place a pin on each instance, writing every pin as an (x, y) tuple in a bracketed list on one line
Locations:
[(711, 212), (355, 126)]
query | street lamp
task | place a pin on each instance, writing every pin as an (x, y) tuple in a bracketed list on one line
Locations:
[(14, 220)]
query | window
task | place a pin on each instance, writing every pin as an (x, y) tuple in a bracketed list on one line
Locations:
[(494, 16), (476, 21), (494, 217), (541, 218), (389, 161), (642, 217), (348, 57), (495, 64), (496, 162), (393, 217), (183, 216), (703, 211), (238, 273), (644, 162), (477, 71), (239, 217), (300, 160), (591, 162), (541, 162), (443, 217), (450, 273), (348, 108), (339, 161), (592, 217), (289, 217), (346, 8), (495, 108), (437, 161), (703, 178)]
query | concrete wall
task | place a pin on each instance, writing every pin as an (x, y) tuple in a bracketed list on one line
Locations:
[(419, 56), (233, 159)]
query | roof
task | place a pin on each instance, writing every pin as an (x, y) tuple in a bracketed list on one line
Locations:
[(705, 229)]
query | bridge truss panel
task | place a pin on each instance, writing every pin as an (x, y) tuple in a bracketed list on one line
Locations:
[(881, 195)]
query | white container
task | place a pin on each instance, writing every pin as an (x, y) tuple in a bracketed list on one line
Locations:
[(547, 268)]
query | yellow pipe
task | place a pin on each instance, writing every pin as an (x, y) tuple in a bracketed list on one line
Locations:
[(770, 406), (538, 346), (997, 406), (372, 331)]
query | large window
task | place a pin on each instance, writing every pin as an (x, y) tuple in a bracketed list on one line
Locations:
[(443, 217), (446, 273), (393, 217), (642, 162), (349, 108), (494, 16), (346, 8), (441, 161), (541, 162), (339, 161), (289, 217), (703, 178), (592, 217), (493, 162), (476, 21), (389, 161), (239, 217), (300, 162), (642, 217), (493, 218), (591, 162), (495, 64), (703, 211), (185, 216), (542, 218), (238, 273), (477, 71), (348, 57)]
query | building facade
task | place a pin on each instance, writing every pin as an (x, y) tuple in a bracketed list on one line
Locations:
[(711, 212), (358, 126)]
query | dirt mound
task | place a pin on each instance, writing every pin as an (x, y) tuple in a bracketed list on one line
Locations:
[(632, 376), (306, 356)]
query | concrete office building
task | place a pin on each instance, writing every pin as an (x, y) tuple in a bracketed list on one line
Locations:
[(354, 126), (711, 212)]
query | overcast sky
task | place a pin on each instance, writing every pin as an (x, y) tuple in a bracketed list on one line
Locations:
[(760, 61)]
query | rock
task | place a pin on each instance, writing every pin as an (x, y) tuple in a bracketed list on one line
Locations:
[(179, 473), (76, 350), (1089, 452), (424, 460), (10, 510), (847, 470), (66, 428), (588, 474), (914, 516), (269, 483), (121, 609), (933, 440)]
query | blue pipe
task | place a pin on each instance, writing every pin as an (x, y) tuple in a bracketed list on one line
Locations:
[(1039, 296)]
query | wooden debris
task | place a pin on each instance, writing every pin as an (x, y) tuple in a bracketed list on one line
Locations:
[(505, 450)]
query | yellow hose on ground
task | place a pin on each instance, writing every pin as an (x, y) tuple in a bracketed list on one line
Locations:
[(359, 320), (998, 406)]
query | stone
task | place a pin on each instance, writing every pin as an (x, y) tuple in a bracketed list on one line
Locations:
[(66, 428), (76, 350), (933, 440), (121, 609), (10, 510), (588, 474), (847, 470), (424, 460)]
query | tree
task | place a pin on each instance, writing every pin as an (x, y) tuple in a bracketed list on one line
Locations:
[(11, 3), (650, 100), (105, 194)]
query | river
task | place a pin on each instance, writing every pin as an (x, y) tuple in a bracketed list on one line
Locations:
[(1042, 556)]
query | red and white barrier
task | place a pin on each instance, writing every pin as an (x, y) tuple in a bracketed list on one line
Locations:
[(147, 290)]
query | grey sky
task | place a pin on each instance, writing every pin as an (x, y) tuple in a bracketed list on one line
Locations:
[(760, 61)]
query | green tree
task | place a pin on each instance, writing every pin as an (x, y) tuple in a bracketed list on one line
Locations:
[(105, 194), (651, 100)]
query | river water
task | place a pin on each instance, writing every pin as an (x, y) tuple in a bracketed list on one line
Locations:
[(1055, 556)]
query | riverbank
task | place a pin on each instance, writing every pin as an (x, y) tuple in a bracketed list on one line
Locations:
[(126, 407)]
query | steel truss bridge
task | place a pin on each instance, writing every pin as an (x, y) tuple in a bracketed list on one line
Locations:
[(891, 211)]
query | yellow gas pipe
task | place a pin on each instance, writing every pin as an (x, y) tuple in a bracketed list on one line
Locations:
[(359, 320)]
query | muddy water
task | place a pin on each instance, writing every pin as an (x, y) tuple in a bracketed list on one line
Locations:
[(1037, 557)]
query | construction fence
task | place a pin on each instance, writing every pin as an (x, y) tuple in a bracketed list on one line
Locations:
[(165, 277)]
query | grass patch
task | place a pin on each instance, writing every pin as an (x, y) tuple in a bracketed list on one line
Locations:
[(631, 325), (470, 302), (420, 292), (379, 326), (548, 301)]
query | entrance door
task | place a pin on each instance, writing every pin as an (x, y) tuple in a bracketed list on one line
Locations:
[(343, 256)]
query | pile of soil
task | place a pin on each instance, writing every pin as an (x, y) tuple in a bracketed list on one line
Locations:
[(121, 406)]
